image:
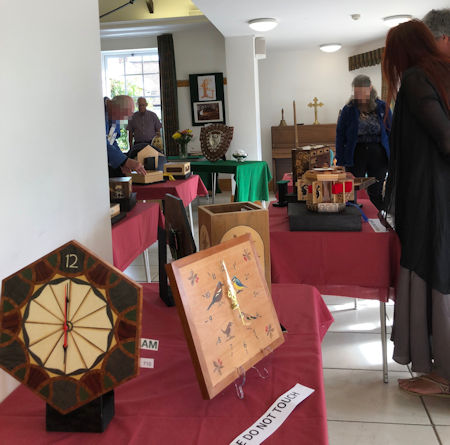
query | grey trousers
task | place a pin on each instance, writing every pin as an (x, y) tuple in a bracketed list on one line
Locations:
[(421, 331)]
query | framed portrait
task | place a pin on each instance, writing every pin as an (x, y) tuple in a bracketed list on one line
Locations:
[(207, 98)]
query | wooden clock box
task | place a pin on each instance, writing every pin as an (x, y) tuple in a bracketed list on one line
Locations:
[(220, 222)]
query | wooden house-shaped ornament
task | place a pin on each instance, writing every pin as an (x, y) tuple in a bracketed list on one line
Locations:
[(148, 157)]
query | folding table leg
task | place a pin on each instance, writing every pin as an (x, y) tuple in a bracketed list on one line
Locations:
[(383, 340), (191, 218), (355, 304), (147, 266)]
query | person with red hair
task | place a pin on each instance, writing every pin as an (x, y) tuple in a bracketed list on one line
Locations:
[(418, 197)]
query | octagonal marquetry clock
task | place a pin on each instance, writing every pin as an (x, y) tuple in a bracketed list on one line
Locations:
[(70, 327)]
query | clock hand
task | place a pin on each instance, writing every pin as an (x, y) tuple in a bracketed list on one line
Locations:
[(66, 327), (231, 294)]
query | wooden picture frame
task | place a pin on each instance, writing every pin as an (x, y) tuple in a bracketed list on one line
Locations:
[(207, 98), (226, 311)]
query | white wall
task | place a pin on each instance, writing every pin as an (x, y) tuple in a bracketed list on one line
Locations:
[(197, 51), (129, 43), (53, 154), (243, 95), (285, 76)]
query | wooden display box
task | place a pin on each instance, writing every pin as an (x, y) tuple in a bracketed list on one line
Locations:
[(148, 178), (220, 222), (309, 157), (120, 187), (126, 204), (179, 170)]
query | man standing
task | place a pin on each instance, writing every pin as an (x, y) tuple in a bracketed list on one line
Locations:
[(144, 125), (438, 21), (117, 109)]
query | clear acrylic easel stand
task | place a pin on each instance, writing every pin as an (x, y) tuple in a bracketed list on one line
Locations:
[(239, 385)]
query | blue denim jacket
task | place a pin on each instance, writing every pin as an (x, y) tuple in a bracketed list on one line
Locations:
[(115, 156), (347, 132)]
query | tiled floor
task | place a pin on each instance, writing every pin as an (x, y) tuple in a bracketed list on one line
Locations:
[(361, 409)]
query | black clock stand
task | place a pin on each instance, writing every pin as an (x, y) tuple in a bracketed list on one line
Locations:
[(94, 417)]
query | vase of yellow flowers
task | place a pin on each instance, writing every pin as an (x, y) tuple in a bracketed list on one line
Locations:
[(182, 138)]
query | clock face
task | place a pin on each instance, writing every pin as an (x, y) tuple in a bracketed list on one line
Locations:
[(70, 327), (230, 315), (67, 326)]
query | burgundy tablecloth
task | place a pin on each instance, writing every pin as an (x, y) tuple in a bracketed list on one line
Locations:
[(355, 264), (137, 231), (186, 189), (164, 406)]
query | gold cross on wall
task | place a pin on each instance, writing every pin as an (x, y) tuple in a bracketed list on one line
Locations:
[(315, 104)]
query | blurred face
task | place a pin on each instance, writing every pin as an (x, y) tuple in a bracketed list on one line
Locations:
[(120, 111), (142, 105), (362, 94)]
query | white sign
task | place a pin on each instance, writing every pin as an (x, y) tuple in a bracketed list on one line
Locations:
[(149, 344), (147, 362), (274, 417)]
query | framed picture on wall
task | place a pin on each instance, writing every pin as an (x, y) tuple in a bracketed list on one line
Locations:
[(207, 98), (207, 112)]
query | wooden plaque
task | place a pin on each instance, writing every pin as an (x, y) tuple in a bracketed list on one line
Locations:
[(215, 140), (226, 310)]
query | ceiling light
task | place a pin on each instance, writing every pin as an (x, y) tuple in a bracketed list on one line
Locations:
[(394, 20), (330, 47), (262, 25)]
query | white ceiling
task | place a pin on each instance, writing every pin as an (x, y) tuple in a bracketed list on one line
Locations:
[(307, 24)]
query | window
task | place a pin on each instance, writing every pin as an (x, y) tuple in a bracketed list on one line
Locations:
[(135, 73)]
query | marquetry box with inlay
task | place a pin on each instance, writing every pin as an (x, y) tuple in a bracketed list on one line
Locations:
[(307, 158)]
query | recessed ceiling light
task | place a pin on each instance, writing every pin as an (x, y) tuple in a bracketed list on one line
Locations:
[(262, 25), (394, 20), (330, 47)]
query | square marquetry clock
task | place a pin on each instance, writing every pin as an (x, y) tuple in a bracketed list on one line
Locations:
[(226, 310), (70, 327)]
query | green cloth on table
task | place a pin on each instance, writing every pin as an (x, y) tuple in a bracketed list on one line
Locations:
[(252, 177), (204, 176)]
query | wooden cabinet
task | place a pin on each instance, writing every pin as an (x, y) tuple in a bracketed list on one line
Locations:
[(283, 142)]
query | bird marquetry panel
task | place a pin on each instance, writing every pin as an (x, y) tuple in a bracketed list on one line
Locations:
[(226, 310), (70, 327)]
